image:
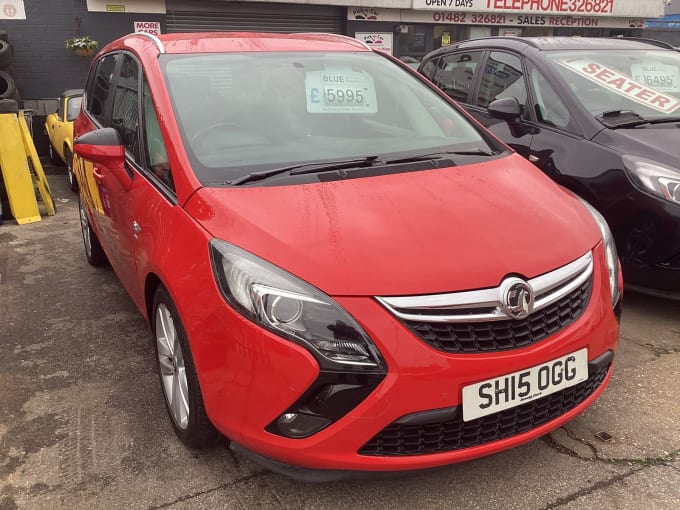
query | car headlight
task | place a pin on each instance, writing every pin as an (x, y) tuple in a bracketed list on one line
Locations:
[(658, 179), (611, 255), (292, 308)]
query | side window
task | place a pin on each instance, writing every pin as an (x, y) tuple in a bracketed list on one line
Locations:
[(503, 77), (429, 68), (156, 154), (125, 115), (549, 107), (455, 72), (101, 87)]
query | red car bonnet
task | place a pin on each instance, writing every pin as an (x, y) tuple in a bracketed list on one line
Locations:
[(424, 232)]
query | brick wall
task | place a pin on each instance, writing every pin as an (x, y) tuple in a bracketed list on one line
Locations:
[(43, 67)]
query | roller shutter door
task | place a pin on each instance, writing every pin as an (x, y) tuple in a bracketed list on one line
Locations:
[(217, 16)]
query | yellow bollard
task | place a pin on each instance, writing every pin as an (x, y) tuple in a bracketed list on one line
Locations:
[(40, 178), (16, 172)]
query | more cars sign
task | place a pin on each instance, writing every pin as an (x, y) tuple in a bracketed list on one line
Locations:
[(150, 27), (617, 8)]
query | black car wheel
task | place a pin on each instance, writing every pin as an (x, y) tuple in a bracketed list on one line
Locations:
[(93, 249), (68, 155), (54, 157)]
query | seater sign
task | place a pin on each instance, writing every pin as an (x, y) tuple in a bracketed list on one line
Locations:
[(623, 84)]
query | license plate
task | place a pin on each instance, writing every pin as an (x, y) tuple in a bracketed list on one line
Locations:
[(510, 390)]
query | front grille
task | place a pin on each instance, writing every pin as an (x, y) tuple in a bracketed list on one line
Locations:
[(454, 434), (515, 314), (506, 334)]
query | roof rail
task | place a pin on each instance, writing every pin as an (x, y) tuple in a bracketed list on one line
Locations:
[(155, 39), (655, 42), (340, 37)]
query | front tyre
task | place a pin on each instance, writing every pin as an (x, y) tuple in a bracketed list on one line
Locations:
[(179, 382), (54, 157), (93, 250), (69, 169)]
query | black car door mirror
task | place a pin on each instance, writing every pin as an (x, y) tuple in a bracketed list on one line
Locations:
[(507, 108)]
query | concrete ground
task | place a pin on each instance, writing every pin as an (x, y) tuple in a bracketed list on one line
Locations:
[(83, 424)]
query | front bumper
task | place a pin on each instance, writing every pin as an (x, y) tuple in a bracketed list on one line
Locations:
[(413, 433), (647, 233), (250, 376)]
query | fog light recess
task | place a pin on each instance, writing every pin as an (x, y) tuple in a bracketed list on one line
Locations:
[(298, 425)]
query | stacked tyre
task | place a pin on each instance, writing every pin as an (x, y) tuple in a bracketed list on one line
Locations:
[(8, 87), (9, 97)]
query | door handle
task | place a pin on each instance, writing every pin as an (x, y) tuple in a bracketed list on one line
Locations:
[(98, 175), (533, 158)]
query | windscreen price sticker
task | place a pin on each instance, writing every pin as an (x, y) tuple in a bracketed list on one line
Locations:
[(340, 92), (665, 78), (624, 85)]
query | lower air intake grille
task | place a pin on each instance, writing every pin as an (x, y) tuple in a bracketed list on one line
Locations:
[(454, 434)]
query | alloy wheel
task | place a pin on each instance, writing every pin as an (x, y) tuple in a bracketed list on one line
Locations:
[(85, 227), (172, 368)]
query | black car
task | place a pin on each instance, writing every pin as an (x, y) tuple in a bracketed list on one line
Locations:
[(599, 116)]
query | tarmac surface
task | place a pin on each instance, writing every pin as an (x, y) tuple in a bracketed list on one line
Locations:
[(83, 424)]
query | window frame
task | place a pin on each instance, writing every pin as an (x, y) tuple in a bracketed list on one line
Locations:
[(145, 168), (137, 158), (527, 114), (573, 128), (108, 104), (472, 93)]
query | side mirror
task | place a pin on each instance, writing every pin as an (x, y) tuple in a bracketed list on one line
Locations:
[(507, 109), (104, 148)]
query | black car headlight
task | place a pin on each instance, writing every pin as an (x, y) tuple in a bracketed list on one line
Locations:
[(653, 177), (611, 255), (292, 308)]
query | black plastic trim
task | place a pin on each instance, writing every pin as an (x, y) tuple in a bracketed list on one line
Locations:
[(310, 475), (332, 395), (106, 136)]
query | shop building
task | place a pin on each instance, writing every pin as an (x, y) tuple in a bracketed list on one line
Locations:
[(667, 28), (425, 25), (42, 67)]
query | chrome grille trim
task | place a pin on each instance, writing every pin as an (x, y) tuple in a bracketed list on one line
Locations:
[(485, 304)]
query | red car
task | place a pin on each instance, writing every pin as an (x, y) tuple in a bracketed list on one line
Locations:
[(343, 272)]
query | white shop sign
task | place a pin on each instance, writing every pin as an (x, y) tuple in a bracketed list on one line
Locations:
[(12, 9), (377, 40), (129, 6), (149, 27), (617, 8), (445, 17)]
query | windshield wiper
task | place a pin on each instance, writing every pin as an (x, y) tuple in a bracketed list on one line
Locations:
[(367, 161), (621, 119), (306, 168), (616, 119), (663, 120), (439, 155)]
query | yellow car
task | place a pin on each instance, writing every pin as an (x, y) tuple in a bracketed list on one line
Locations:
[(59, 128)]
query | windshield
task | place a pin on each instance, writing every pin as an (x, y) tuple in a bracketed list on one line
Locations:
[(646, 82), (251, 112)]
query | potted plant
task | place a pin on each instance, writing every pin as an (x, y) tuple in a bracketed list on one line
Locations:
[(83, 46)]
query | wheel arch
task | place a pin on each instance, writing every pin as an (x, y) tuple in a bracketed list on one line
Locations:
[(151, 284)]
